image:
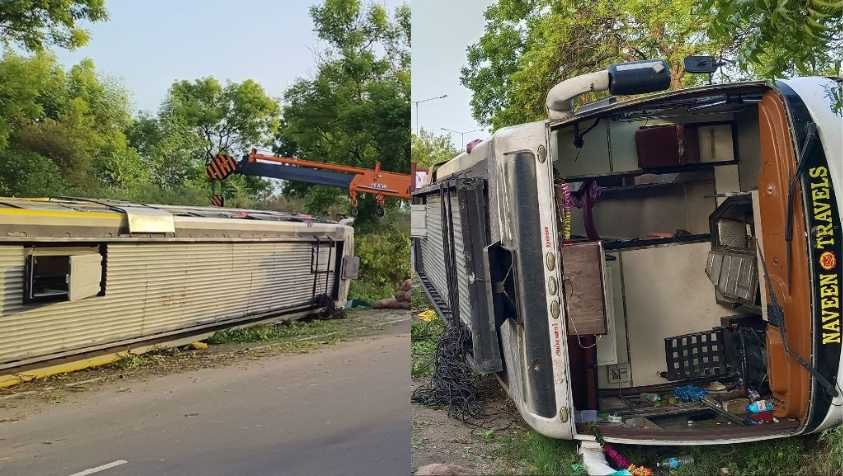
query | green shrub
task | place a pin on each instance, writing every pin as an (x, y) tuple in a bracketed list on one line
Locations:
[(426, 331), (384, 253), (29, 174), (424, 337)]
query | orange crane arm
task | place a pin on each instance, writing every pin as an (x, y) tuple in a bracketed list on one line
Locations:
[(376, 181), (380, 183)]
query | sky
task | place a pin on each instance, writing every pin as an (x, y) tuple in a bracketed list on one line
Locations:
[(442, 30), (147, 45)]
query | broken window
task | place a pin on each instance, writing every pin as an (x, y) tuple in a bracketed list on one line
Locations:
[(62, 274)]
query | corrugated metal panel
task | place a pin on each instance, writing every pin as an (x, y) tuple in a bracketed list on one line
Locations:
[(157, 287), (433, 254), (418, 214), (462, 268)]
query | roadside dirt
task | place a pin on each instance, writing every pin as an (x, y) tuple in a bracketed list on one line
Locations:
[(27, 398), (480, 446)]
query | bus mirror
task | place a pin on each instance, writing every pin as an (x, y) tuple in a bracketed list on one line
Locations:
[(701, 64)]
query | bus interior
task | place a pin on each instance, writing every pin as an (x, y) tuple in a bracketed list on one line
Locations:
[(665, 266)]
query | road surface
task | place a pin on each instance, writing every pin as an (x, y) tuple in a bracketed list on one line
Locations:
[(340, 410)]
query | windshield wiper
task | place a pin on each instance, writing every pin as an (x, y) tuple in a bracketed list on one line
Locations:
[(801, 164)]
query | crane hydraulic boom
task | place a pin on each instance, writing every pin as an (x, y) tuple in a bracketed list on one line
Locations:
[(356, 180)]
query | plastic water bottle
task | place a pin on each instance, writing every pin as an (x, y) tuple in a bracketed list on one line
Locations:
[(675, 462), (760, 406)]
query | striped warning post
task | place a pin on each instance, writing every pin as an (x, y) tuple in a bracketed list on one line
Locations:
[(217, 200), (221, 167)]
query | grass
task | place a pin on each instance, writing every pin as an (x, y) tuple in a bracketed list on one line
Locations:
[(808, 455), (131, 362), (418, 299), (833, 441), (286, 331), (423, 339), (533, 453), (367, 292), (295, 336), (780, 456)]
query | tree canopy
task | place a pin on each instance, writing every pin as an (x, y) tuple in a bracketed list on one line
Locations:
[(430, 149), (779, 38), (72, 131), (356, 108), (69, 122), (36, 24), (529, 45), (229, 118)]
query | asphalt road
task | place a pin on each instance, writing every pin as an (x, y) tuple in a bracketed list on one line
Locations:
[(341, 410)]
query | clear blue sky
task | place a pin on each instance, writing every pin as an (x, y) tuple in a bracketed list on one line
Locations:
[(442, 30), (147, 45)]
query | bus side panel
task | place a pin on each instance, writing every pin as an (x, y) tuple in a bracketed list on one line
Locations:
[(821, 100), (535, 348)]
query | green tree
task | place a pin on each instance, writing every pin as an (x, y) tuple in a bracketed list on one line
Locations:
[(430, 149), (356, 109), (74, 118), (172, 153), (29, 174), (780, 38), (36, 24), (229, 118), (23, 85), (529, 45)]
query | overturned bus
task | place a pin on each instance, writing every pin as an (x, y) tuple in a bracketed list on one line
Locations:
[(644, 270), (82, 276)]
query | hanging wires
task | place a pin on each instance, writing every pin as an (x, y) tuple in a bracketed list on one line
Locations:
[(453, 383), (564, 204)]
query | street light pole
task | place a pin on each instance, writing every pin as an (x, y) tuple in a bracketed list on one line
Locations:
[(418, 119), (461, 133)]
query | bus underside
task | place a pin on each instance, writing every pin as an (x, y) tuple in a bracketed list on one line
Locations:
[(673, 227)]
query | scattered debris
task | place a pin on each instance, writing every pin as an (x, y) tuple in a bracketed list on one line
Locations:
[(428, 315), (689, 393), (198, 345), (400, 300), (84, 382), (315, 337), (438, 469), (484, 446)]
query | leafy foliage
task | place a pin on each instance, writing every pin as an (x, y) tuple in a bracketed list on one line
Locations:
[(75, 119), (384, 251), (27, 173), (226, 119), (784, 37), (423, 339), (529, 45), (356, 108), (172, 154), (36, 24), (430, 149)]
